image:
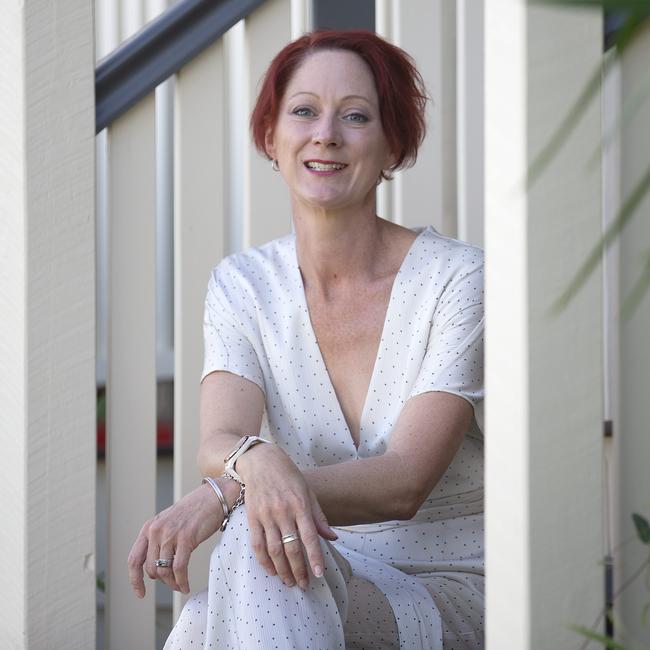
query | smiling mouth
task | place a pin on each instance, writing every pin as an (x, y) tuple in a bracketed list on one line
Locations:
[(319, 166)]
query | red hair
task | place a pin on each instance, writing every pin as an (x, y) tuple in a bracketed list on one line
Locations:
[(400, 89)]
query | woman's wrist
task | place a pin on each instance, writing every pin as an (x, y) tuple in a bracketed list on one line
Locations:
[(258, 456), (230, 489)]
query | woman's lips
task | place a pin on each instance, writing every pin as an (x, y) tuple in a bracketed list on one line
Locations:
[(324, 166)]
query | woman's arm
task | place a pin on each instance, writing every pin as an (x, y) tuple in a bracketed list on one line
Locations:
[(422, 445), (425, 439)]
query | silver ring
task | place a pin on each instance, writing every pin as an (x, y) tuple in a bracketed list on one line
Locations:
[(291, 537), (164, 563)]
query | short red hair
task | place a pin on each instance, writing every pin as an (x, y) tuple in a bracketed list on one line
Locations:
[(401, 91)]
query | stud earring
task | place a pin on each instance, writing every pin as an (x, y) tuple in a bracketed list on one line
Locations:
[(274, 165)]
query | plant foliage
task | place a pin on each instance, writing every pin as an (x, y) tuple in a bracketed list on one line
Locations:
[(635, 14)]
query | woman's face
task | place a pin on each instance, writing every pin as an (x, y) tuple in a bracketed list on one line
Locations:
[(328, 139)]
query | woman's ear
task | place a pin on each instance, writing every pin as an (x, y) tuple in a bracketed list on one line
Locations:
[(269, 144), (390, 159)]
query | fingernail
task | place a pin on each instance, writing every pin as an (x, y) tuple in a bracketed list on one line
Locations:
[(304, 584), (289, 583), (318, 571)]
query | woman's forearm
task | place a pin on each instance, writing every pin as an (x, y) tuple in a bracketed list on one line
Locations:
[(363, 491), (360, 491)]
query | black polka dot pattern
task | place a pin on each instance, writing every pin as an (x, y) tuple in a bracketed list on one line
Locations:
[(415, 584)]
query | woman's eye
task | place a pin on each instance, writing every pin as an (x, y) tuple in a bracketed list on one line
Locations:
[(356, 117), (303, 111)]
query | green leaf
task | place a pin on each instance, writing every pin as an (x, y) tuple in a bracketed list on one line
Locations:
[(556, 141), (591, 89), (608, 5), (642, 527), (614, 229), (638, 292), (629, 109), (644, 615), (608, 642)]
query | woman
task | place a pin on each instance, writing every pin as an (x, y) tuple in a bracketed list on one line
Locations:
[(355, 346)]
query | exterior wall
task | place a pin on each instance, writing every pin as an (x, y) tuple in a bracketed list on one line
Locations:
[(47, 390)]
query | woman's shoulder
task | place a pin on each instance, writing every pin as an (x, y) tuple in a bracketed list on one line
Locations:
[(451, 245), (257, 269), (248, 263), (447, 255)]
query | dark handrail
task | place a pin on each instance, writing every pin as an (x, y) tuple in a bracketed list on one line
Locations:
[(158, 50)]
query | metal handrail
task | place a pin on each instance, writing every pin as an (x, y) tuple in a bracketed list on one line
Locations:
[(158, 50)]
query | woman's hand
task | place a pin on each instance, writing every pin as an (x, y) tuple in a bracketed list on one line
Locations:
[(174, 533), (279, 502)]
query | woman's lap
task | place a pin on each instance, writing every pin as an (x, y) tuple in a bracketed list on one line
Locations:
[(370, 622)]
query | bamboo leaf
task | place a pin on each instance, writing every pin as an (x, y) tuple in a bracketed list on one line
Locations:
[(638, 292), (608, 642), (644, 614), (576, 111), (624, 37), (622, 218), (608, 5), (642, 527), (629, 109)]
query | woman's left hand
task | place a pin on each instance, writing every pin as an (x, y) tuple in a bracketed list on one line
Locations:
[(173, 534)]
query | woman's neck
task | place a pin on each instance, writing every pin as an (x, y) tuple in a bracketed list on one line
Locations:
[(337, 251)]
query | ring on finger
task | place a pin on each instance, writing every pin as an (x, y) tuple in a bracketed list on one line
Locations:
[(290, 537), (164, 563)]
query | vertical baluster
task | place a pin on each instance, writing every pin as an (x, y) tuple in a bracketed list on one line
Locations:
[(267, 212), (131, 366), (470, 119), (199, 244), (426, 193)]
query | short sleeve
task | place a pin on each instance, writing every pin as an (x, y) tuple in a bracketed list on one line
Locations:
[(453, 360), (226, 343)]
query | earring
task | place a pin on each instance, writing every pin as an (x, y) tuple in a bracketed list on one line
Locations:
[(274, 165)]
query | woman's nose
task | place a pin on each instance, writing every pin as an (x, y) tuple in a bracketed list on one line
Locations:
[(326, 132)]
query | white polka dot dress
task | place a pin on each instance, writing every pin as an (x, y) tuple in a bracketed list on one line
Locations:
[(414, 584)]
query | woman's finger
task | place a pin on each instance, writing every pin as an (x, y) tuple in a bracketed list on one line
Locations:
[(291, 541), (311, 541), (258, 542), (323, 527), (166, 573), (137, 558), (275, 549), (181, 560), (153, 553)]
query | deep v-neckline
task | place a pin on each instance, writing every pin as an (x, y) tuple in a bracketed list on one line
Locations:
[(317, 353)]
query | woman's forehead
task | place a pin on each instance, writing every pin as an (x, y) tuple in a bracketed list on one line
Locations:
[(338, 72)]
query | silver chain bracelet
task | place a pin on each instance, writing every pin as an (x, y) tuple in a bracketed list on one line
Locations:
[(238, 502)]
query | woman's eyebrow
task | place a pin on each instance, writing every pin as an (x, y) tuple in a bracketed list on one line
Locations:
[(306, 92)]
